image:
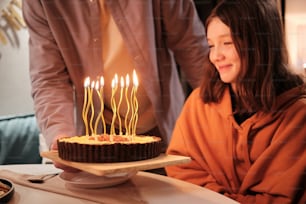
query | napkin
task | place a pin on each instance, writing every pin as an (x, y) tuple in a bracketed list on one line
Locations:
[(123, 193)]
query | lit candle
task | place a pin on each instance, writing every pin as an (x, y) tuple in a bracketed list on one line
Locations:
[(113, 104), (102, 104), (127, 84), (91, 106), (119, 104), (134, 106), (97, 88), (85, 105), (135, 101), (132, 112)]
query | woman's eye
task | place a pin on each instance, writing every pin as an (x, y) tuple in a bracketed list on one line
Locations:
[(228, 43), (210, 46)]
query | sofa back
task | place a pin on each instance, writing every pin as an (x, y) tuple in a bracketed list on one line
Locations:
[(19, 140)]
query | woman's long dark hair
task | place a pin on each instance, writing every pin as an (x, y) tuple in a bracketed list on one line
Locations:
[(257, 33)]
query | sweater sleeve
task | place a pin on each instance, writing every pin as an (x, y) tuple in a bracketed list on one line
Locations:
[(191, 172), (186, 39), (52, 90), (183, 140)]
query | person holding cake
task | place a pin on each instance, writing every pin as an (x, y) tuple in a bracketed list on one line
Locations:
[(72, 40), (244, 127)]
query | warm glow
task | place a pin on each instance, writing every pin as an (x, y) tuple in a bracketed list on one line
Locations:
[(86, 82), (92, 84), (135, 79), (97, 85), (95, 88), (102, 81), (113, 83), (116, 80), (127, 80)]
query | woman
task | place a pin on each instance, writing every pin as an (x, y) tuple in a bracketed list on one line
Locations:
[(244, 128)]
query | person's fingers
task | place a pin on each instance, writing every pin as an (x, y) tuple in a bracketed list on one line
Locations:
[(54, 142), (60, 165)]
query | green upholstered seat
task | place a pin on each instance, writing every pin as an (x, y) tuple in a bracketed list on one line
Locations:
[(19, 140)]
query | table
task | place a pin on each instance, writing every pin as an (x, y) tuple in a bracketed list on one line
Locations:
[(152, 188)]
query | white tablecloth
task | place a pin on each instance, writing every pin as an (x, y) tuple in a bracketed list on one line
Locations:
[(143, 187)]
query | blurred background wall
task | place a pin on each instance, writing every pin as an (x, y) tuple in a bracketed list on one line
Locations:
[(15, 97)]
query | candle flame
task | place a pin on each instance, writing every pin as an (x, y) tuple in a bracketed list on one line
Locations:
[(135, 79), (97, 85), (86, 82), (121, 82), (116, 79), (127, 80), (92, 84), (102, 81), (113, 83)]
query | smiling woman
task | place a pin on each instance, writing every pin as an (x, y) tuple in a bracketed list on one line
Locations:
[(247, 120), (223, 53)]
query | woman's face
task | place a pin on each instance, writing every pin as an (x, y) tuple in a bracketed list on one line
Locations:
[(223, 53)]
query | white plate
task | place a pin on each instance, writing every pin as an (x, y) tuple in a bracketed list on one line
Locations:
[(87, 180)]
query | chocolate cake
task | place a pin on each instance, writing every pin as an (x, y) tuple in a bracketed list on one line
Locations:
[(108, 149)]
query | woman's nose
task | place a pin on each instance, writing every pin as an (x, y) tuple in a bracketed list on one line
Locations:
[(216, 54)]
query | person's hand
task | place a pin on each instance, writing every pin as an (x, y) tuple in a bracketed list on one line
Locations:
[(59, 165)]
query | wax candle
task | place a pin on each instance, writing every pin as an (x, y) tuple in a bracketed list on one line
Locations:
[(132, 112), (99, 91), (113, 104), (97, 88), (134, 105), (135, 101), (85, 104), (102, 104), (127, 84), (92, 107), (119, 104)]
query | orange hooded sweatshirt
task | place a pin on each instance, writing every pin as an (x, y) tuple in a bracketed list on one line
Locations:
[(262, 160)]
